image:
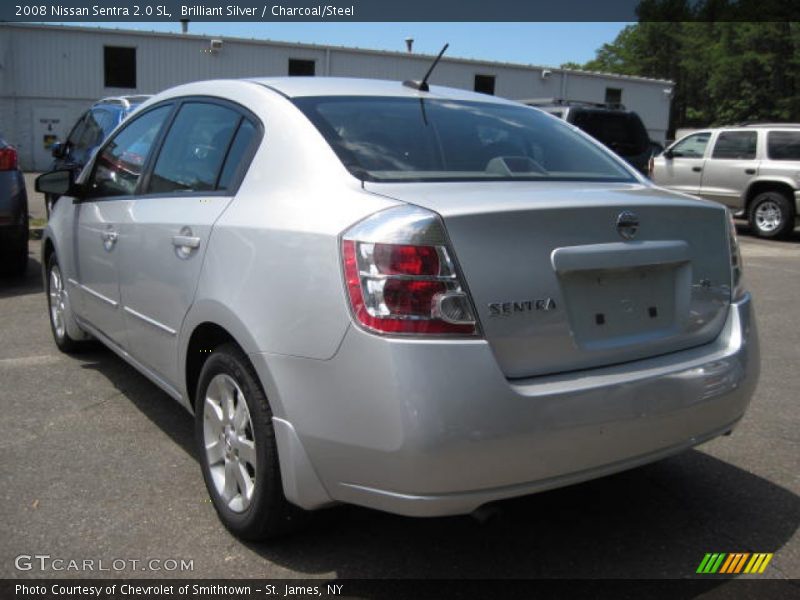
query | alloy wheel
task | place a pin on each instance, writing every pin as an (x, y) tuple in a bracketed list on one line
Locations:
[(229, 442)]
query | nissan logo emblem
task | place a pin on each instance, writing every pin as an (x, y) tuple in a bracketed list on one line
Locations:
[(627, 224)]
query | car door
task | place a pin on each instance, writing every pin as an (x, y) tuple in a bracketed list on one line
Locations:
[(731, 166), (192, 180), (106, 206), (680, 167)]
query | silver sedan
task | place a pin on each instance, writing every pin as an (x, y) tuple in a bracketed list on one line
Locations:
[(414, 300)]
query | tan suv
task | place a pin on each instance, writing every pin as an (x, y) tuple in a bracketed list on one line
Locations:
[(753, 169)]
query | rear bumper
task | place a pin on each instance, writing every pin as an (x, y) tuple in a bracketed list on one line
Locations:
[(434, 428)]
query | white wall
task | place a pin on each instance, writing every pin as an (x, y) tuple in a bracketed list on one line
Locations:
[(61, 68)]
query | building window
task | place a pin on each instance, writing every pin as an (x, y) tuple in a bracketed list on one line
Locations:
[(613, 96), (299, 66), (484, 84), (119, 67)]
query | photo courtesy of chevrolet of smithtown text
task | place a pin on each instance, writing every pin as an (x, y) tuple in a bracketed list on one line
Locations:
[(404, 300)]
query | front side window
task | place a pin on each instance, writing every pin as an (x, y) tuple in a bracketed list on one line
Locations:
[(783, 145), (413, 139), (120, 162), (194, 149), (736, 145), (693, 146)]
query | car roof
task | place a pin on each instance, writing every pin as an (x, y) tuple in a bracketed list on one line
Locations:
[(297, 87)]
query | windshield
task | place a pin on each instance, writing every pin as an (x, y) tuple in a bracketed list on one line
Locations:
[(414, 139), (622, 132)]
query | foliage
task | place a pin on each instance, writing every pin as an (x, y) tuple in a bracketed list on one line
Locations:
[(725, 71)]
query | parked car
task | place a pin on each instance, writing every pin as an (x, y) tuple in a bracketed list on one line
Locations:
[(620, 129), (754, 170), (13, 214), (89, 132), (415, 301)]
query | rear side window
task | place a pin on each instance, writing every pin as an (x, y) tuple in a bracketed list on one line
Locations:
[(236, 161), (194, 149), (693, 146), (783, 145), (120, 162), (736, 145)]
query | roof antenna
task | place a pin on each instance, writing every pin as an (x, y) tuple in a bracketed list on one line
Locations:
[(422, 86)]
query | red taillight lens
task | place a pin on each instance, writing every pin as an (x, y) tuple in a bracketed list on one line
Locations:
[(403, 259), (400, 288), (8, 159)]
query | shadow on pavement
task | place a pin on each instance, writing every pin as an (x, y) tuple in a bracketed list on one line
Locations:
[(31, 283), (656, 521)]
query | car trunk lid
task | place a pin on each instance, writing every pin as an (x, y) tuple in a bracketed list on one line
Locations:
[(556, 282)]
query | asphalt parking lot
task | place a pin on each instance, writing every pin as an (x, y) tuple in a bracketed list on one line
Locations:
[(98, 463)]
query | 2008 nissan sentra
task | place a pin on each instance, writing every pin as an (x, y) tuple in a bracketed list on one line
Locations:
[(416, 301)]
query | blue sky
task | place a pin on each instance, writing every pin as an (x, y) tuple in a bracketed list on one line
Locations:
[(548, 44)]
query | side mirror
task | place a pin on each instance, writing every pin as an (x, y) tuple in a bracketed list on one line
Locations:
[(667, 154), (58, 150), (60, 182)]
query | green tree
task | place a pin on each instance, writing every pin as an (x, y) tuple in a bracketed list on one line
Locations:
[(724, 71)]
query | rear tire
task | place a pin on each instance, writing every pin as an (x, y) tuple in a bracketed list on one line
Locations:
[(771, 215), (237, 449)]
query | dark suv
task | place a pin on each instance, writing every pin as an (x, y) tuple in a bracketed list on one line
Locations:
[(89, 132), (612, 124)]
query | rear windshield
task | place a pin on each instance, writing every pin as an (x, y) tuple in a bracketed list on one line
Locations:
[(783, 145), (413, 139), (623, 132)]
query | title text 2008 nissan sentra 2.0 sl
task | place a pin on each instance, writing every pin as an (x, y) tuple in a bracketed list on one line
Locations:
[(416, 300)]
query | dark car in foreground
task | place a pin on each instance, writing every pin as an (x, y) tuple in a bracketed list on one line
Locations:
[(13, 213), (89, 132)]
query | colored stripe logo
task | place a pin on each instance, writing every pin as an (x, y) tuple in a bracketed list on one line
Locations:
[(734, 563)]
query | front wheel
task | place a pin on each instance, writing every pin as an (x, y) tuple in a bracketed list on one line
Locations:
[(771, 215), (59, 310), (238, 452)]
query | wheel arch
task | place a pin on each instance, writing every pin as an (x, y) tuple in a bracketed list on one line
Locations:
[(208, 325), (767, 185)]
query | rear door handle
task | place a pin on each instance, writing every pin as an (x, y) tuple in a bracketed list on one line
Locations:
[(185, 241), (109, 237), (750, 171), (697, 169)]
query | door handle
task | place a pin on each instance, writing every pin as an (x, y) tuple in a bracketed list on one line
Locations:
[(750, 171), (109, 237), (185, 241), (697, 169)]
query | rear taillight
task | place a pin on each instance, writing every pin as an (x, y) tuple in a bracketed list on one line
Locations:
[(8, 159), (401, 277), (737, 282)]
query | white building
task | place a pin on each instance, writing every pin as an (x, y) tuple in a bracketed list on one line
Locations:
[(50, 74)]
